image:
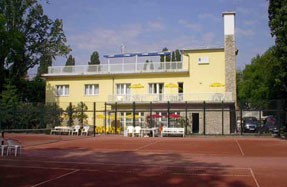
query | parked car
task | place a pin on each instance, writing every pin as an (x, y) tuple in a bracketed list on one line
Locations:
[(270, 125), (250, 124)]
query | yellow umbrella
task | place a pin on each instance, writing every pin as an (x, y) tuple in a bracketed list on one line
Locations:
[(138, 85), (102, 116), (171, 85), (217, 84), (131, 116)]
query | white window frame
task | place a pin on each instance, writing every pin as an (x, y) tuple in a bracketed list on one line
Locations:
[(123, 89), (154, 88), (91, 89), (203, 60), (62, 90)]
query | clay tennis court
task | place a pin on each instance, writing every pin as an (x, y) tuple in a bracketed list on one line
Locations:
[(111, 160)]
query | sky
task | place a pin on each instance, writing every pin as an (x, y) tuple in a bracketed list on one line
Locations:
[(151, 25)]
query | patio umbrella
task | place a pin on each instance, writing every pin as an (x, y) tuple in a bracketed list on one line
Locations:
[(135, 86), (174, 116), (102, 116), (155, 116), (171, 86), (217, 84), (130, 116)]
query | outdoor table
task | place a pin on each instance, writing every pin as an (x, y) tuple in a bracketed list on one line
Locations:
[(147, 130)]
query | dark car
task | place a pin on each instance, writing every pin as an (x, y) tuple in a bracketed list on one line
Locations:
[(250, 124), (270, 125)]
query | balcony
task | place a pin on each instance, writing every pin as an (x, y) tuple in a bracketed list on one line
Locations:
[(192, 97), (122, 68)]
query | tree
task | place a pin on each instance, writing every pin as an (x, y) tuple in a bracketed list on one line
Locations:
[(70, 61), (165, 58), (33, 90), (27, 34), (277, 22), (176, 56), (257, 85), (45, 62), (79, 113), (94, 59), (8, 103)]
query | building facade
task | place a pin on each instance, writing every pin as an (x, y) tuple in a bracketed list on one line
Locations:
[(201, 88)]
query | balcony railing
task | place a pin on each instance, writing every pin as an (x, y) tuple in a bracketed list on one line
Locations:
[(122, 68), (195, 97)]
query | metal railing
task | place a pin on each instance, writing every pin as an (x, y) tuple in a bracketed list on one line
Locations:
[(128, 67), (214, 97)]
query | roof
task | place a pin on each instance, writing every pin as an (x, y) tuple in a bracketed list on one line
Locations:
[(202, 49)]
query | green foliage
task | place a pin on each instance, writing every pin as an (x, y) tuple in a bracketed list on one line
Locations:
[(69, 111), (94, 59), (257, 83), (45, 62), (9, 101), (80, 112), (76, 113), (278, 25), (165, 58), (30, 116), (26, 35), (176, 56), (70, 61), (33, 90)]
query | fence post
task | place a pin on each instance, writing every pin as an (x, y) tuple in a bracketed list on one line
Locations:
[(186, 118), (204, 120), (94, 119), (222, 117), (105, 118), (116, 117), (134, 113), (241, 122), (0, 116), (150, 115), (168, 110)]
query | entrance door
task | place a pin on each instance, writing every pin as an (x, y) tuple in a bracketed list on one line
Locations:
[(195, 122)]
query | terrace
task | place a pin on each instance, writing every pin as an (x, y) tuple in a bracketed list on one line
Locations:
[(196, 97), (123, 67)]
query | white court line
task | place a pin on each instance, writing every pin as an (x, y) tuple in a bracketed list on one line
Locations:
[(253, 176), (144, 146), (61, 176), (242, 153)]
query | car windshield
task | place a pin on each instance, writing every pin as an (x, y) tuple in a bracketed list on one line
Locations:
[(250, 120)]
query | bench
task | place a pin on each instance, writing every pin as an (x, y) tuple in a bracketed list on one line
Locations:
[(172, 131), (61, 129)]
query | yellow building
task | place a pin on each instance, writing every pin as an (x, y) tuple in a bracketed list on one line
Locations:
[(200, 88)]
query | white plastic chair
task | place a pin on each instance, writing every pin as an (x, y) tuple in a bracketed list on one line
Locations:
[(85, 130), (130, 130), (2, 146), (137, 131), (76, 130), (13, 145)]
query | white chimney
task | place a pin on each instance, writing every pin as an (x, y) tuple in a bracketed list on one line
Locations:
[(229, 23)]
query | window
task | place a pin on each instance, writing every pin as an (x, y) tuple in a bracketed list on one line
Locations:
[(123, 89), (155, 88), (91, 89), (203, 60), (62, 90)]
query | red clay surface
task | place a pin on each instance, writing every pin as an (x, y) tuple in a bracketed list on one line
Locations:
[(123, 161)]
